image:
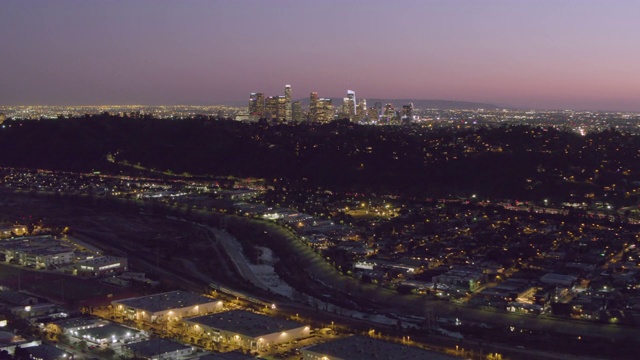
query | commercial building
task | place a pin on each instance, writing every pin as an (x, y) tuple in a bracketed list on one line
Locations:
[(256, 106), (36, 251), (40, 311), (407, 111), (350, 104), (465, 279), (12, 297), (233, 355), (313, 106), (324, 111), (158, 349), (169, 306), (9, 341), (101, 265), (108, 333), (361, 109), (364, 348), (12, 231), (320, 109), (247, 329), (288, 106), (272, 107), (72, 326), (558, 279), (297, 111), (47, 352)]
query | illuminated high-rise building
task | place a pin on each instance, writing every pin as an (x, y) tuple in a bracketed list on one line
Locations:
[(288, 110), (407, 111), (361, 109), (313, 106), (282, 112), (373, 114), (324, 111), (389, 110), (256, 106), (296, 112), (344, 112), (351, 103), (271, 107), (2, 118)]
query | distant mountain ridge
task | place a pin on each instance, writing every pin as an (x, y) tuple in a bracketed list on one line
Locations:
[(397, 103)]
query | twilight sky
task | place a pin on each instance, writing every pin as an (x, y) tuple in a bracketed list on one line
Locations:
[(543, 54)]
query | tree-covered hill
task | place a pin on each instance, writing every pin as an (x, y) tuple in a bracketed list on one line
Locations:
[(508, 161)]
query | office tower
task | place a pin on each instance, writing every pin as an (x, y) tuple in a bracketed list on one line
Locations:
[(271, 108), (296, 112), (389, 110), (361, 110), (2, 118), (407, 111), (351, 96), (378, 106), (373, 114), (324, 110), (282, 113), (256, 106), (288, 111), (344, 112), (313, 106), (389, 113)]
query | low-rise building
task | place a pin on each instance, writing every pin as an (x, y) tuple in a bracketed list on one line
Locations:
[(101, 265), (13, 230), (16, 298), (462, 278), (233, 355), (173, 305), (246, 329), (109, 333), (364, 348), (157, 349), (47, 352), (36, 251), (512, 290), (73, 325), (558, 279), (9, 341)]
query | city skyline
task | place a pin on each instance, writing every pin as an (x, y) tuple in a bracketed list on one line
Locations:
[(576, 55)]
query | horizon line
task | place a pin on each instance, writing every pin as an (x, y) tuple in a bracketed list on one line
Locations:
[(497, 107)]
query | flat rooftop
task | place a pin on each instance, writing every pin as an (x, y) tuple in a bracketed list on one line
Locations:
[(101, 260), (364, 348), (234, 355), (108, 331), (44, 351), (79, 322), (155, 346), (245, 323), (166, 301)]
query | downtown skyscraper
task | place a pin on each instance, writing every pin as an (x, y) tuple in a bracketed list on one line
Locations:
[(256, 106), (273, 107)]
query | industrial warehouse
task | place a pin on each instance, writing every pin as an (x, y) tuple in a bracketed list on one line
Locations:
[(365, 348), (247, 329), (169, 306)]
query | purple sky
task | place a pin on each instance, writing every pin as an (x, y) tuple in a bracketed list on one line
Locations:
[(555, 54)]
